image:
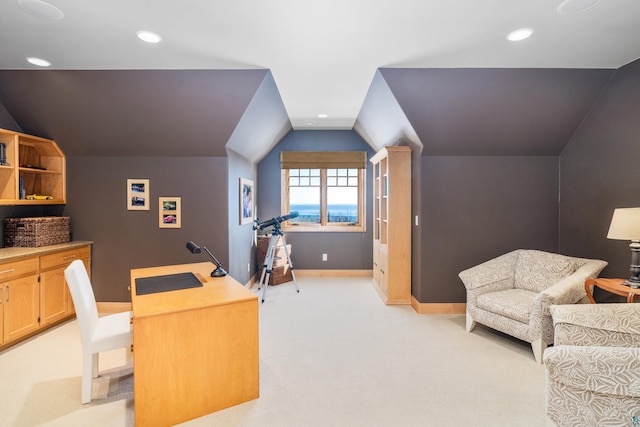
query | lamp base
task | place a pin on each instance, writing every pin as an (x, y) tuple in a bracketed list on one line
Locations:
[(218, 272), (632, 284)]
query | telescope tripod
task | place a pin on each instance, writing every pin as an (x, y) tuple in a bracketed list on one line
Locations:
[(267, 267)]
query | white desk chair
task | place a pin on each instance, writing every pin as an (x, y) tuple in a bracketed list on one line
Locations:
[(96, 333)]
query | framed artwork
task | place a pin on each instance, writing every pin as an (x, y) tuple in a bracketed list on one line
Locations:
[(138, 194), (169, 212), (247, 201)]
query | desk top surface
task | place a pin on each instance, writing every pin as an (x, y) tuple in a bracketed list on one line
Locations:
[(215, 291)]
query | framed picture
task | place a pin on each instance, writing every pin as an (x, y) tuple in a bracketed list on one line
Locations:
[(247, 201), (169, 212), (138, 194)]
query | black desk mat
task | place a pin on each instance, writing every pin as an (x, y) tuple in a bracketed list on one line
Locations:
[(169, 282)]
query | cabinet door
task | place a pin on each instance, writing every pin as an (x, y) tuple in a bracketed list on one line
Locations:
[(53, 296), (21, 307), (3, 290)]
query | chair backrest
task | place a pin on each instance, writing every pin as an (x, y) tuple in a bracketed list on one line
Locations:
[(84, 299), (538, 270)]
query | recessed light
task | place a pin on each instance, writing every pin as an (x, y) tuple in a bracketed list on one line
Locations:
[(575, 6), (309, 122), (41, 9), (39, 62), (521, 34), (323, 116), (149, 37)]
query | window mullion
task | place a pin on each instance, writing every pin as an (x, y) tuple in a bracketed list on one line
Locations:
[(323, 197)]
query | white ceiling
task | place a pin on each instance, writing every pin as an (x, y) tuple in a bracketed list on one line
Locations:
[(323, 54)]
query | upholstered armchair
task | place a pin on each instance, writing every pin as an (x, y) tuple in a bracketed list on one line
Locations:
[(513, 292), (593, 369)]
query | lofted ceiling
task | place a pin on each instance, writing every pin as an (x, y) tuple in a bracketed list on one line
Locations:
[(323, 56)]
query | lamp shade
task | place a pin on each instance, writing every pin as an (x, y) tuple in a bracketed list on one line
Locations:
[(625, 224)]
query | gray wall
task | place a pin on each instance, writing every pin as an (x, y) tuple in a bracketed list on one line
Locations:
[(96, 202), (241, 237), (476, 208), (600, 173), (344, 250)]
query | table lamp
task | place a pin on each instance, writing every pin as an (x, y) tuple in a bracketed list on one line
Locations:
[(195, 249), (625, 225)]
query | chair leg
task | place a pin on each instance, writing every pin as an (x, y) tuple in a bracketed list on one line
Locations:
[(538, 347), (87, 376), (470, 323), (96, 366)]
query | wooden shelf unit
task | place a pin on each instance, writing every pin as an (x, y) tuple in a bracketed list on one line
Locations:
[(41, 165), (392, 224)]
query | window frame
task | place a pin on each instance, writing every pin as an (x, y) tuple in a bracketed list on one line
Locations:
[(324, 225)]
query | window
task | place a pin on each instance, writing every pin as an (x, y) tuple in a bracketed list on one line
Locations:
[(325, 188)]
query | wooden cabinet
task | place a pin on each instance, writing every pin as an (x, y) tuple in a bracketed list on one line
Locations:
[(19, 283), (33, 289), (31, 166), (55, 298), (392, 224)]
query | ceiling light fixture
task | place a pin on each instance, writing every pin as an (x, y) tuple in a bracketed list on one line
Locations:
[(518, 35), (323, 116), (309, 122), (39, 62), (149, 37), (40, 9), (576, 6)]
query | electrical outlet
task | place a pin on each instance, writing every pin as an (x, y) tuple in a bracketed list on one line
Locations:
[(324, 257)]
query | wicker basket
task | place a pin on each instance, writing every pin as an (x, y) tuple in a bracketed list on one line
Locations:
[(36, 232)]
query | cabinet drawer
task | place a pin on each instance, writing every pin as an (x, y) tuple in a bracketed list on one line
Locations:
[(18, 268), (64, 258)]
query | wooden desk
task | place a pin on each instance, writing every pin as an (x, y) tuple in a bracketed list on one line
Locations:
[(195, 350), (615, 286)]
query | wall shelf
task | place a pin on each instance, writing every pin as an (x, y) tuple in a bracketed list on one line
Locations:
[(35, 163)]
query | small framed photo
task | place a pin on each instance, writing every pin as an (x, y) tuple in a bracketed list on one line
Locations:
[(169, 212), (247, 201), (138, 194)]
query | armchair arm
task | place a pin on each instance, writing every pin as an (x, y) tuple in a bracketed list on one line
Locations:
[(597, 324), (568, 290), (604, 370), (499, 271)]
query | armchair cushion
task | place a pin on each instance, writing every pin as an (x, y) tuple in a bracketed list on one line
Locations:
[(593, 371), (613, 325), (512, 303), (537, 270)]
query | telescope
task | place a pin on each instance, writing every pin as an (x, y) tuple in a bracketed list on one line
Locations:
[(276, 220)]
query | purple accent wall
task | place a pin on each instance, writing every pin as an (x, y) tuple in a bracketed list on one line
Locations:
[(600, 172), (476, 208), (124, 239), (345, 250), (495, 112)]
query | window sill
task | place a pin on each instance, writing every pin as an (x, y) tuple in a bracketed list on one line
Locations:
[(324, 228)]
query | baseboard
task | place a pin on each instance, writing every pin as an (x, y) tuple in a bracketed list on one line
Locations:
[(334, 273), (438, 308), (113, 307)]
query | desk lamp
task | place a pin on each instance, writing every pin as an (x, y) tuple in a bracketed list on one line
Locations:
[(195, 249), (625, 225)]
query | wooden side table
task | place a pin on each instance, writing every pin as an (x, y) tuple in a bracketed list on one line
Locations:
[(615, 286)]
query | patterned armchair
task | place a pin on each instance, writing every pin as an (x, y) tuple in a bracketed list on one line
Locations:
[(513, 293), (593, 370)]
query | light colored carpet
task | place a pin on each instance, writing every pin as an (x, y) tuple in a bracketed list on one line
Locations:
[(332, 355)]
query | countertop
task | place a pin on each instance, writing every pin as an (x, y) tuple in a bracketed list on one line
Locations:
[(15, 253)]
